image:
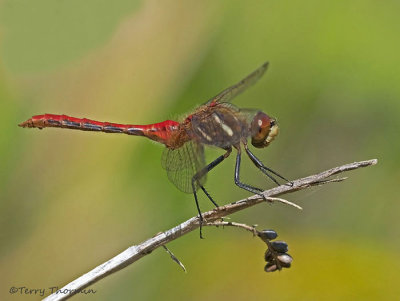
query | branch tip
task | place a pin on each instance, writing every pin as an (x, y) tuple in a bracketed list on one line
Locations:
[(283, 201)]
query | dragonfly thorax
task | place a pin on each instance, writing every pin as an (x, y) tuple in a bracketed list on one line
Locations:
[(221, 125), (263, 130)]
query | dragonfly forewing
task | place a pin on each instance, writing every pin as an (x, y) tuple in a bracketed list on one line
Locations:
[(233, 91)]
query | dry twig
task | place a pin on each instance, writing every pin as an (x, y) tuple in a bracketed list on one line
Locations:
[(136, 252)]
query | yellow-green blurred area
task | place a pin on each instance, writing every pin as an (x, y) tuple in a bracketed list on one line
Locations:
[(71, 200)]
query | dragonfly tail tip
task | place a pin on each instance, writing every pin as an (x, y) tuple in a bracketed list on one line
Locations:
[(25, 124)]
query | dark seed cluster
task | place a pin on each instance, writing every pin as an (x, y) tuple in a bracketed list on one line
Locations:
[(276, 254)]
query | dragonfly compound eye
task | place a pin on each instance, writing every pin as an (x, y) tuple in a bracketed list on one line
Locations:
[(263, 130)]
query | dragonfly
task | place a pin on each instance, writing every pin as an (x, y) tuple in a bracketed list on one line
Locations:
[(216, 123)]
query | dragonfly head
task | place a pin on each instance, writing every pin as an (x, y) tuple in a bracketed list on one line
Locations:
[(263, 130)]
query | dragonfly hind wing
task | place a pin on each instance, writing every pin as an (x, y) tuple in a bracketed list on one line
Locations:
[(233, 91), (183, 163)]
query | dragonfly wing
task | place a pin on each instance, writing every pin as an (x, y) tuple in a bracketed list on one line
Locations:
[(233, 91), (183, 163)]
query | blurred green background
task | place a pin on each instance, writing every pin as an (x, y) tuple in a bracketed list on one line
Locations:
[(71, 200)]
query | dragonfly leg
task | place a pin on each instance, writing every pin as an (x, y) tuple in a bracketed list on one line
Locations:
[(209, 196), (198, 208), (199, 175), (263, 168), (237, 177)]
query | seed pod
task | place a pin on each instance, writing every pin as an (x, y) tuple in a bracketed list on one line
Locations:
[(285, 260), (285, 265), (268, 256), (270, 267), (267, 235), (280, 246)]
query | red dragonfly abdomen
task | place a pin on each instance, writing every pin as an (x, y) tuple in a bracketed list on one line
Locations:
[(160, 132)]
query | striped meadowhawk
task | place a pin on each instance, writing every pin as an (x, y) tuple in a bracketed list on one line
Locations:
[(216, 123)]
